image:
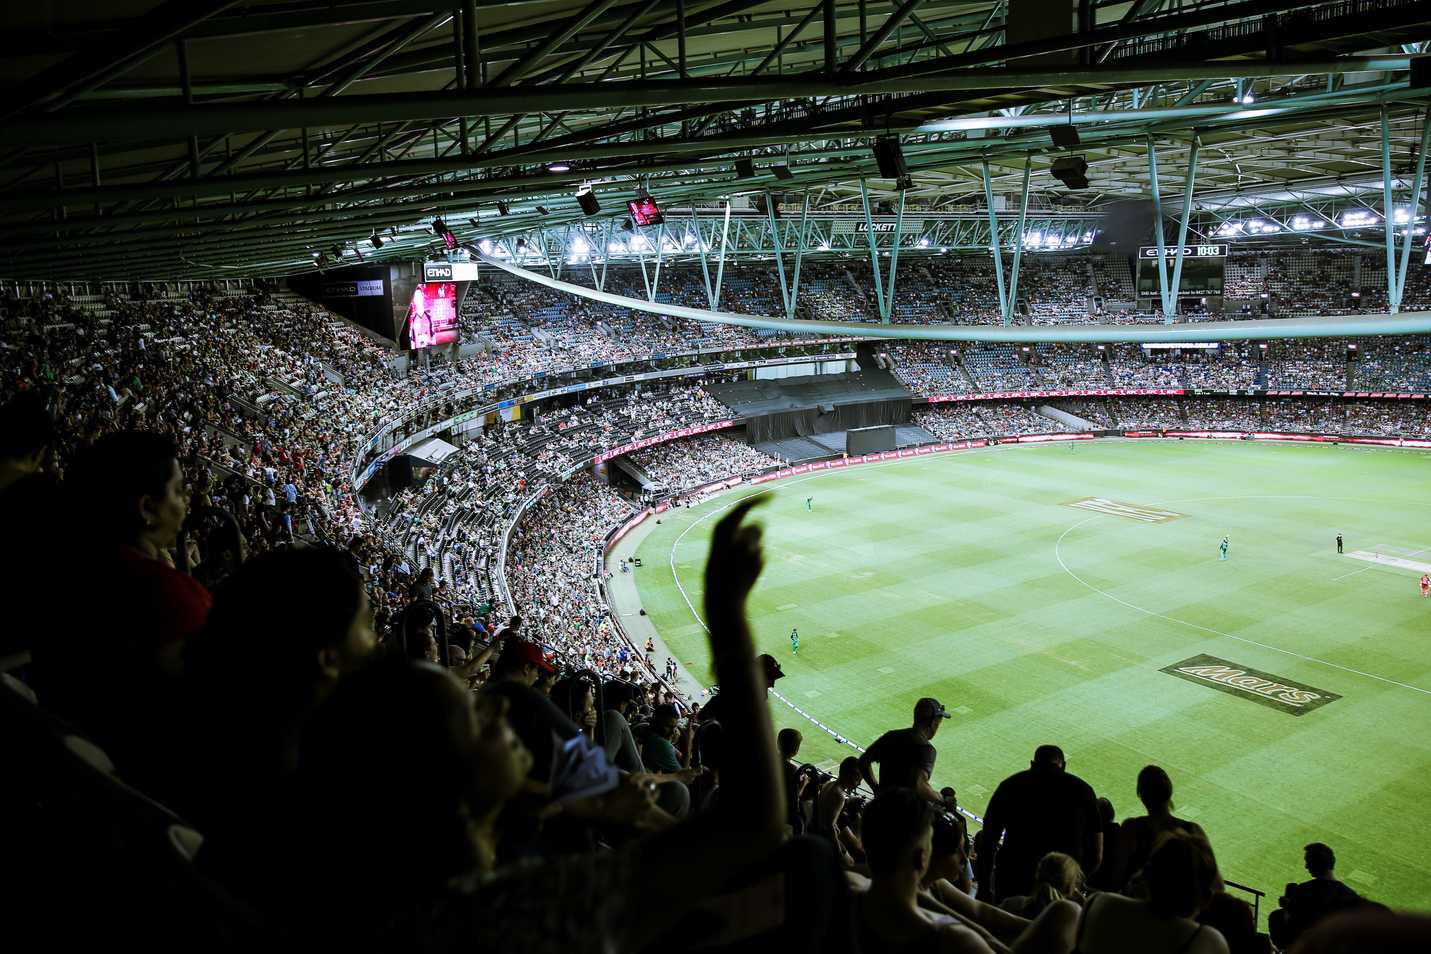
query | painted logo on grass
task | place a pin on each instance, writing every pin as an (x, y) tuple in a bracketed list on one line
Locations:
[(1119, 508), (1275, 692)]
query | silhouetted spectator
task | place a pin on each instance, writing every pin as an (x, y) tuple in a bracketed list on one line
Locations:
[(1303, 905), (1141, 834), (906, 756), (1041, 809)]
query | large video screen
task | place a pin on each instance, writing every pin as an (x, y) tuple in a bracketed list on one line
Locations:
[(432, 316), (645, 211)]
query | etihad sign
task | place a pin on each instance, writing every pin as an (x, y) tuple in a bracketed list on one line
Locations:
[(1272, 691)]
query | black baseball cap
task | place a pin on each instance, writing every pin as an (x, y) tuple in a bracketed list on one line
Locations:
[(929, 708)]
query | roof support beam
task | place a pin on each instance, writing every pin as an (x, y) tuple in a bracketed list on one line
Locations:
[(78, 74), (76, 126)]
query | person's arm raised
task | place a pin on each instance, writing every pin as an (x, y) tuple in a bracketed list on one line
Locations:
[(694, 860)]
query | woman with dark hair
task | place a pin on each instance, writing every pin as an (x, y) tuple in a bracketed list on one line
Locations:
[(1139, 835), (284, 629), (114, 678), (1181, 878)]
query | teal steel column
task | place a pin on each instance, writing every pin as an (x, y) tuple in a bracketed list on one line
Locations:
[(874, 253), (1183, 226), (804, 240), (1018, 244), (1158, 232), (1413, 208), (779, 252), (1393, 303), (887, 306), (720, 264), (994, 241)]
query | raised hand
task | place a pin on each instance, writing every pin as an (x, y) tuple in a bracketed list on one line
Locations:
[(735, 560)]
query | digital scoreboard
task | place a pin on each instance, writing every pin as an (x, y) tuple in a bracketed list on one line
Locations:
[(1203, 270)]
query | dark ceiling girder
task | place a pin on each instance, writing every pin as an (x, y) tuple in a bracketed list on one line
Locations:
[(344, 223), (113, 124), (60, 84), (1129, 30), (890, 24)]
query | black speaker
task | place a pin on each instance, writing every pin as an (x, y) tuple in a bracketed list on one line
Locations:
[(503, 208), (745, 168), (1420, 72), (890, 157), (1072, 171), (1126, 225), (782, 172), (588, 203), (1064, 137)]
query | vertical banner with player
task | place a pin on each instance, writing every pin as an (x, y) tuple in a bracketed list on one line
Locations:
[(432, 316)]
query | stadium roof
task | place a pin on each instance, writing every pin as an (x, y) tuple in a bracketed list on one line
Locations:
[(207, 138)]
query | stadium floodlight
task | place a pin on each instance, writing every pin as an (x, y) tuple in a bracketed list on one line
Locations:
[(485, 246), (521, 243), (924, 242), (558, 167), (315, 253), (824, 246)]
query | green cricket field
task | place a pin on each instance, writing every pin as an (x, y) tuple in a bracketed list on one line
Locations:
[(1074, 594)]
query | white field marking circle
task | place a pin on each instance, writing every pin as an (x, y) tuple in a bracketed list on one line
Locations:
[(1058, 554)]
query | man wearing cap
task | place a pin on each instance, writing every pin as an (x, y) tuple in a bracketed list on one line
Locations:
[(906, 756), (534, 718), (708, 737)]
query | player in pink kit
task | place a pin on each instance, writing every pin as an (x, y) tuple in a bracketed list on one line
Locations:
[(1426, 584)]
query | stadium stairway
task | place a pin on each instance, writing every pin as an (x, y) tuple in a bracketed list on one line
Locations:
[(1069, 421)]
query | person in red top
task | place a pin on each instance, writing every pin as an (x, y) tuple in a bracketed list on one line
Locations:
[(1425, 584), (116, 678)]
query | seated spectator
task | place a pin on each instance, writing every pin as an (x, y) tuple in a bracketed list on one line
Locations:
[(659, 752), (1042, 809), (29, 504), (830, 805), (1303, 905), (1139, 835), (537, 722), (617, 740), (1057, 876), (898, 834), (1181, 877), (787, 742)]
